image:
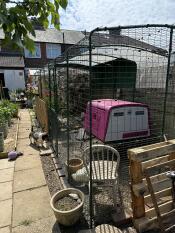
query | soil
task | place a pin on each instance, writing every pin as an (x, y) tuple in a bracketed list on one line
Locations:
[(66, 204)]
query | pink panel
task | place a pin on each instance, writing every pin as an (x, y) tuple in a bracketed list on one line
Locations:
[(100, 116)]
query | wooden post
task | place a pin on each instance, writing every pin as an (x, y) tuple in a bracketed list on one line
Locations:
[(138, 205)]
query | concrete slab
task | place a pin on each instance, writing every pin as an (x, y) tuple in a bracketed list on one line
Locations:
[(23, 136), (5, 213), (6, 190), (27, 162), (6, 174), (5, 230), (46, 225), (31, 205), (4, 163), (27, 179)]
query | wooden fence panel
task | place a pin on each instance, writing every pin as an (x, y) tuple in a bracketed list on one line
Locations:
[(42, 113)]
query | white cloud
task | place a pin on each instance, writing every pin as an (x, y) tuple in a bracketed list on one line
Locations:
[(88, 14)]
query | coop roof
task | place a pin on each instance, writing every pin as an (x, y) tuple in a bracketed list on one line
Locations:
[(102, 55), (107, 104)]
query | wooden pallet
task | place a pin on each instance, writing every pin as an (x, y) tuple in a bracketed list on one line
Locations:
[(158, 158)]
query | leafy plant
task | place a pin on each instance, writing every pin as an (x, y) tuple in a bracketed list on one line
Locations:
[(15, 19), (7, 110)]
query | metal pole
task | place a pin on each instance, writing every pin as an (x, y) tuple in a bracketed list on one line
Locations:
[(90, 130), (50, 93), (67, 112), (167, 80), (55, 90)]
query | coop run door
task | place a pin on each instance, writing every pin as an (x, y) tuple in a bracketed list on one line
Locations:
[(127, 122)]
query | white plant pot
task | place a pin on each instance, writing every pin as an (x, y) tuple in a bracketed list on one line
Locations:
[(69, 217)]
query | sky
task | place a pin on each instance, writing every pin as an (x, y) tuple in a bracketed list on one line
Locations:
[(89, 14)]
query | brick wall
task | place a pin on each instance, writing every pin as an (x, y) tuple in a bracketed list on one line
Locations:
[(43, 61)]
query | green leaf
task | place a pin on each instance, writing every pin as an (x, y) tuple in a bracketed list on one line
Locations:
[(63, 3), (16, 24), (29, 44)]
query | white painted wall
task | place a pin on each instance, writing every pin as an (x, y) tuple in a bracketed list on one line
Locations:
[(14, 79)]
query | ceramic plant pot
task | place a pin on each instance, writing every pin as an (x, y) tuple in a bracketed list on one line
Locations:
[(68, 217)]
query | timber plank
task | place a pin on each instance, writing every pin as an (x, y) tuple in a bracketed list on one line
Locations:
[(161, 197), (142, 188), (164, 208), (141, 155)]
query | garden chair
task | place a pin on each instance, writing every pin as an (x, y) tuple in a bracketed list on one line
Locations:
[(105, 163)]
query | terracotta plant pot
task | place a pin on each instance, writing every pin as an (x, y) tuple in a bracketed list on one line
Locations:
[(74, 165), (68, 217)]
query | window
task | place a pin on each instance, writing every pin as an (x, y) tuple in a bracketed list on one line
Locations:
[(139, 113), (53, 50), (119, 114), (36, 54)]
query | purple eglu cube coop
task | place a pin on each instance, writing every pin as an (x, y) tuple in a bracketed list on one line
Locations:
[(117, 120)]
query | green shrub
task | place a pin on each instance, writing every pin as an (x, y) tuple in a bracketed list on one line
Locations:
[(7, 110)]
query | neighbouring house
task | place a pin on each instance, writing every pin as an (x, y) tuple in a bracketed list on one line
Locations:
[(12, 71), (49, 44)]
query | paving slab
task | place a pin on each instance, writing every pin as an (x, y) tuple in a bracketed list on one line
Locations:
[(28, 161), (29, 178), (5, 230), (31, 205), (46, 225), (5, 212), (5, 190), (23, 136), (4, 163), (6, 174)]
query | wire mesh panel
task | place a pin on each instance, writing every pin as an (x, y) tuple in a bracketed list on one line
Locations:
[(115, 87)]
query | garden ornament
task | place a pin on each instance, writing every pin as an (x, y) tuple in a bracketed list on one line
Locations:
[(12, 155)]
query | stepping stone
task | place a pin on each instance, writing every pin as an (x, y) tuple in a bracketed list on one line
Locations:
[(5, 212)]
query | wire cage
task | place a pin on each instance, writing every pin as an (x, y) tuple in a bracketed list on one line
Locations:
[(115, 87)]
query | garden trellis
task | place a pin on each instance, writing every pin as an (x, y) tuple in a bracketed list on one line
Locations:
[(132, 64)]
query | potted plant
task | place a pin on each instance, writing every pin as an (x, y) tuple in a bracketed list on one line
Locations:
[(74, 165), (67, 205)]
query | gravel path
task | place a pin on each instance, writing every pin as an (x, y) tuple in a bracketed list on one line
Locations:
[(51, 175)]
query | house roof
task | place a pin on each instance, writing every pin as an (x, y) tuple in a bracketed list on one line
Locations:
[(143, 59), (11, 61), (52, 35)]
